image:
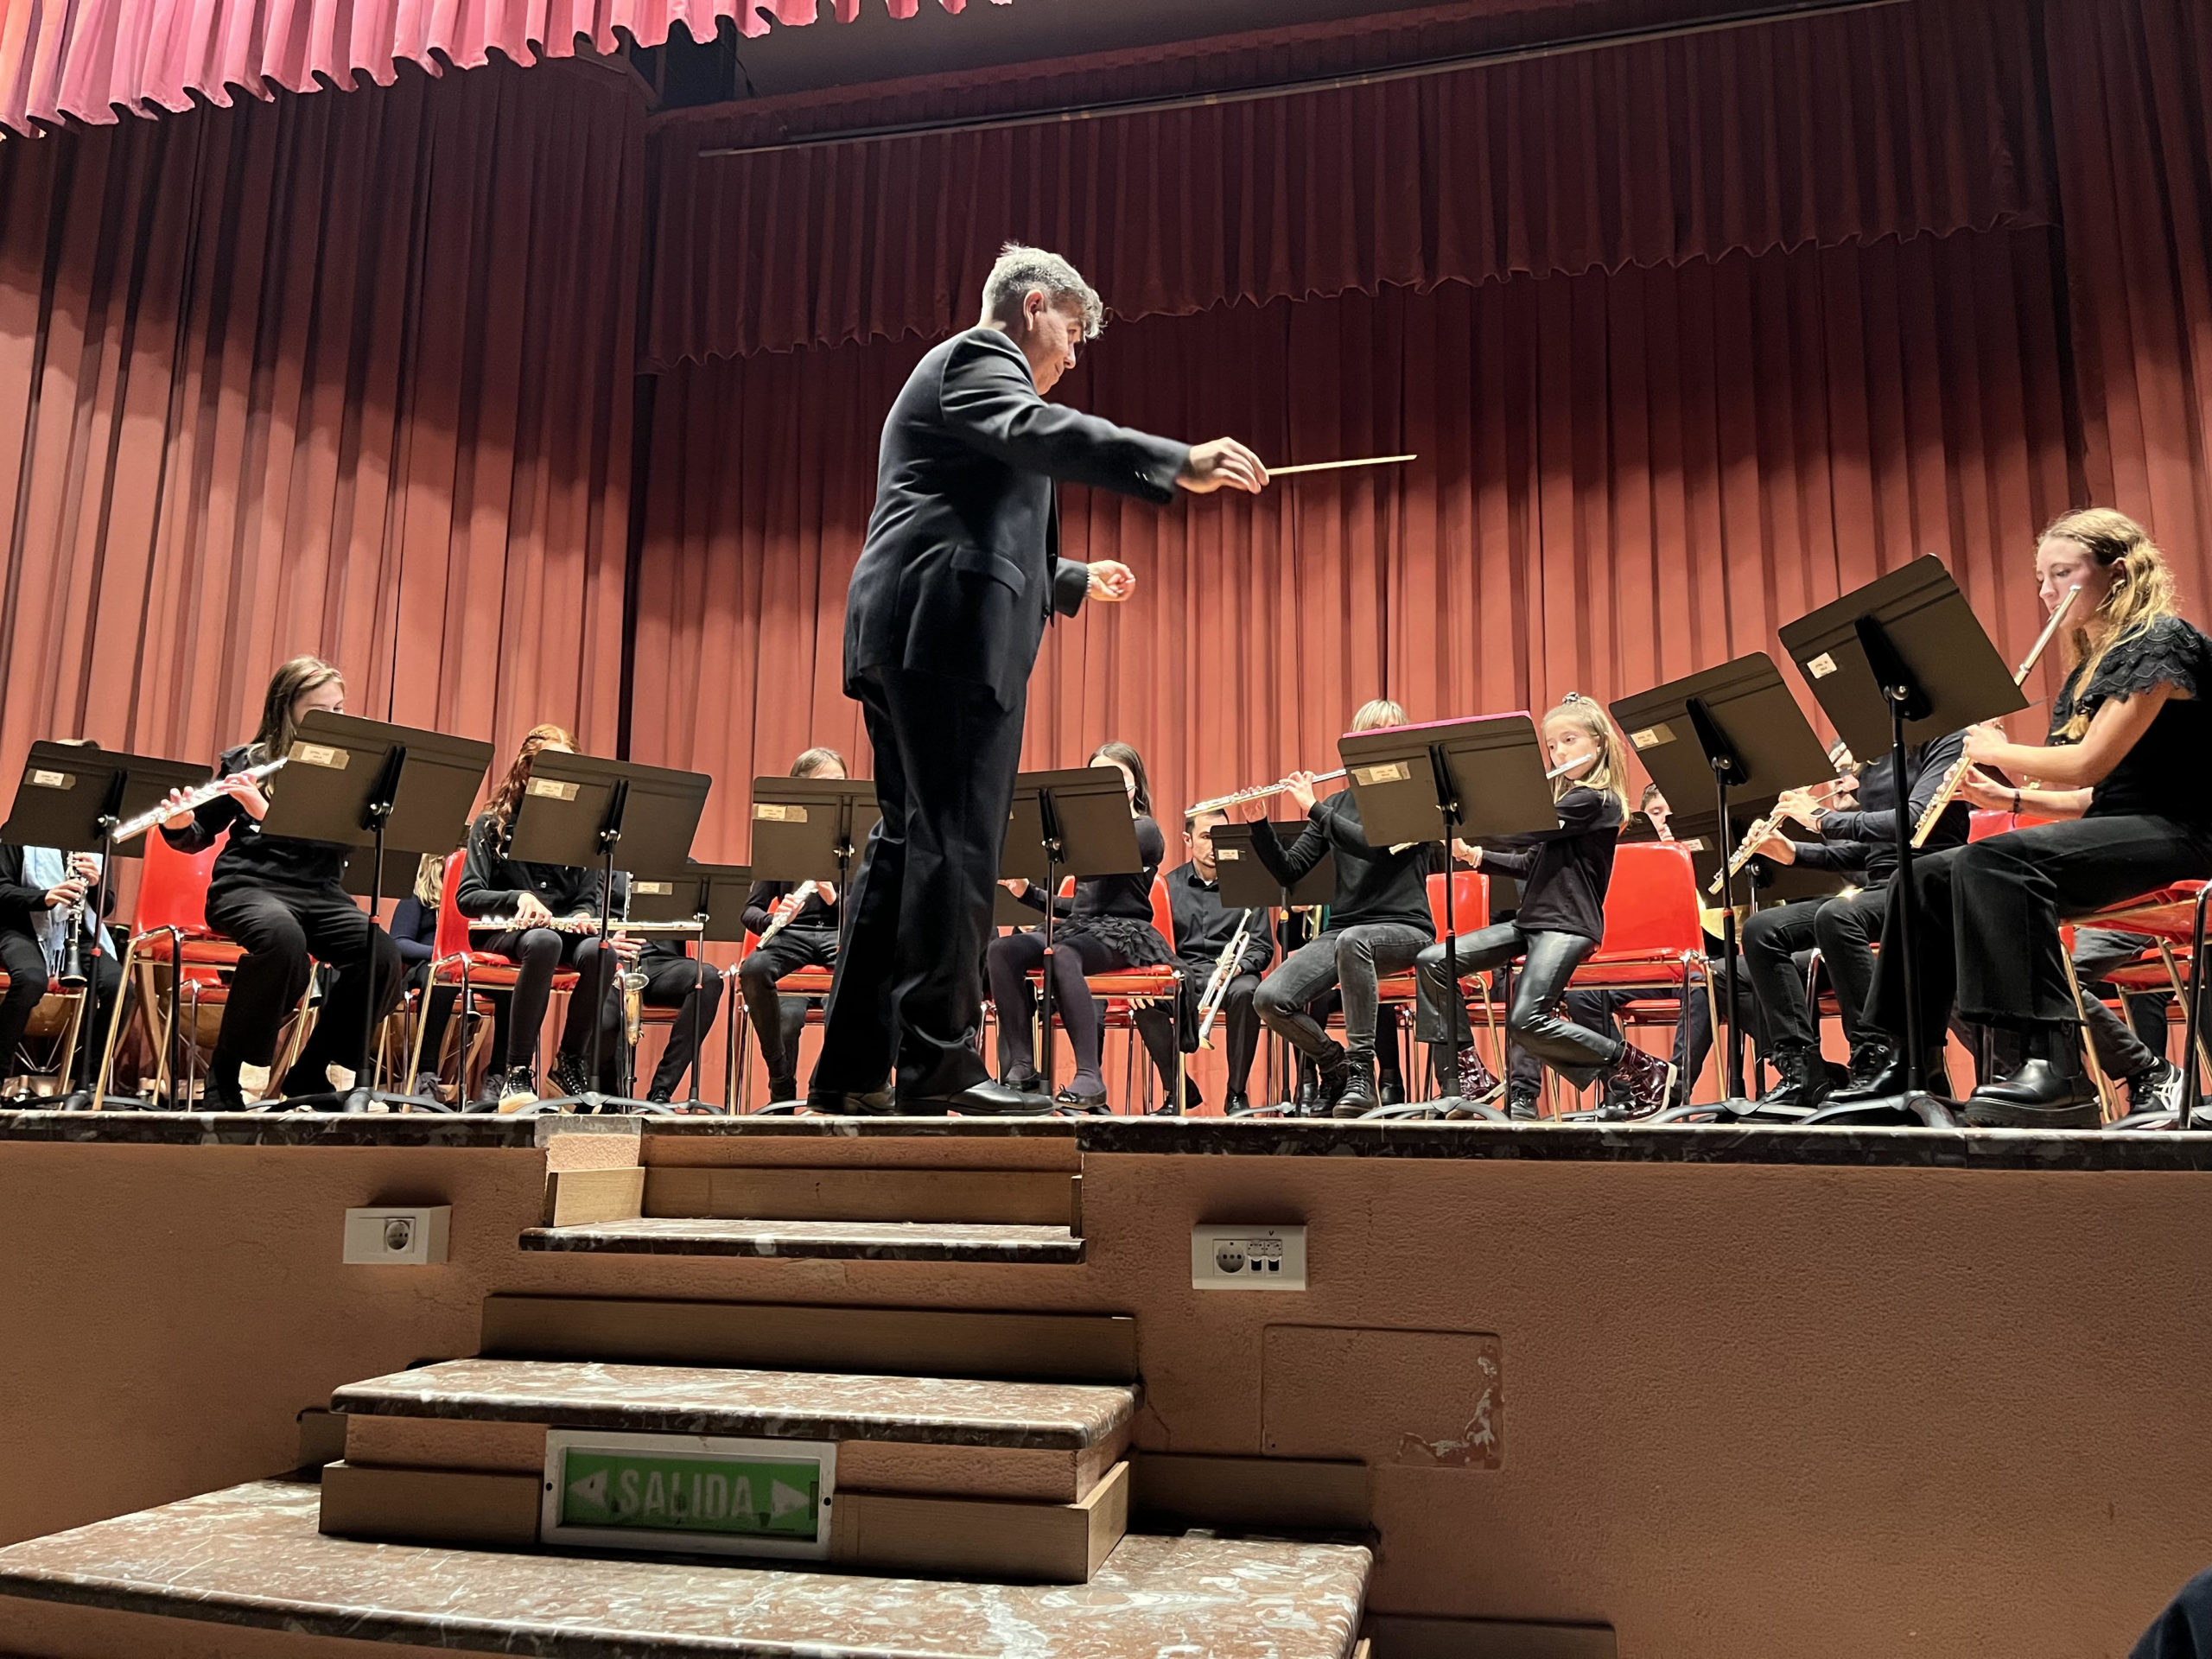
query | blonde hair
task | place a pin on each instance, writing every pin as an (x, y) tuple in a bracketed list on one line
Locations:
[(1610, 775), (2142, 594), (812, 763), (1378, 713), (429, 880)]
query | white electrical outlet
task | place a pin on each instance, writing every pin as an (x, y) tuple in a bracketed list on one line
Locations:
[(396, 1238), (1229, 1257)]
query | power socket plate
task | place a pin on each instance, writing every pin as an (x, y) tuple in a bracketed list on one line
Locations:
[(397, 1237), (1227, 1257)]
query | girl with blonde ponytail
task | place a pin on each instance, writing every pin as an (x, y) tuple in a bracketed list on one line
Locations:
[(2124, 776)]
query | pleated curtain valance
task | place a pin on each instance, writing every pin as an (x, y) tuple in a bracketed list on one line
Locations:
[(1898, 121), (87, 60)]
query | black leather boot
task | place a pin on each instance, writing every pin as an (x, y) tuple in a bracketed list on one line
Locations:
[(2048, 1090), (1359, 1096), (1877, 1072), (1804, 1079), (1332, 1070)]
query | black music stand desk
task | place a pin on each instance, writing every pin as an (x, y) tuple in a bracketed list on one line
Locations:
[(701, 893), (1075, 822), (352, 782), (578, 810), (1736, 731), (1899, 662), (71, 797), (812, 829), (1446, 781), (1247, 884)]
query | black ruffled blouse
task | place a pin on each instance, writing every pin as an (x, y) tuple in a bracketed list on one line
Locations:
[(2165, 774)]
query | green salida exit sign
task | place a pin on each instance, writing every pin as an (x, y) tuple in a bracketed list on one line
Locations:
[(691, 1492)]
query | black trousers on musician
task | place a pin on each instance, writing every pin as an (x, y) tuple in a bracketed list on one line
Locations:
[(696, 992), (540, 952), (1988, 917), (1348, 960), (24, 963), (777, 1021), (1843, 928), (1239, 1022), (285, 931), (909, 989), (1535, 1018)]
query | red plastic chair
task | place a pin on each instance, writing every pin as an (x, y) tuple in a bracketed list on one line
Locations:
[(812, 983), (456, 962), (1127, 989)]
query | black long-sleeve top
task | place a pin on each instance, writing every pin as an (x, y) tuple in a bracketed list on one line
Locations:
[(814, 916), (1565, 872), (491, 884), (21, 902), (1374, 884), (1204, 925), (415, 929), (1129, 896), (1865, 841), (250, 857)]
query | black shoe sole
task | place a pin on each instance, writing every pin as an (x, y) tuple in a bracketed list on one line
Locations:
[(1984, 1114)]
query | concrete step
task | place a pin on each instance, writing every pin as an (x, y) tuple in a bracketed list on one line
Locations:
[(877, 1240), (244, 1574)]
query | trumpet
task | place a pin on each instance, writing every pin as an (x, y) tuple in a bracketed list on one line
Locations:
[(1258, 792), (1749, 846), (577, 925), (193, 799), (1225, 971), (1954, 779), (799, 895)]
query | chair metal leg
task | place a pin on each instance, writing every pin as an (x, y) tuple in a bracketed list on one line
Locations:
[(114, 1026), (2108, 1097), (2179, 981)]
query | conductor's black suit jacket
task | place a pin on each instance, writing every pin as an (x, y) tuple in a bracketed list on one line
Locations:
[(962, 564)]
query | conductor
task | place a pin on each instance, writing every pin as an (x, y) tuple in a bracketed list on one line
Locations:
[(959, 575)]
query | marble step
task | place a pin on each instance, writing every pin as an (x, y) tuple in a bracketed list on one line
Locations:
[(243, 1573), (874, 1241), (934, 1436)]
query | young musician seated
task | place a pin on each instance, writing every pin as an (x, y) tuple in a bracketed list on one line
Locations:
[(2127, 781), (1564, 875), (283, 901), (1106, 926), (1843, 927), (1204, 928), (1379, 922), (41, 889), (528, 898), (808, 938)]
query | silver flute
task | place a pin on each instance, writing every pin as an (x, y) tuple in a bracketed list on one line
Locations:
[(193, 799)]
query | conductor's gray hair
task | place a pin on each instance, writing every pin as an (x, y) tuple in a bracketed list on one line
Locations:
[(1020, 269)]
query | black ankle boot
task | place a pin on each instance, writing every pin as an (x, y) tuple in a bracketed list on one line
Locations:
[(1332, 1070), (1358, 1094), (1804, 1080), (1877, 1072), (2048, 1090)]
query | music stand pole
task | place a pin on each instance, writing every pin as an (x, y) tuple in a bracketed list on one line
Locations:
[(1907, 701), (1728, 772)]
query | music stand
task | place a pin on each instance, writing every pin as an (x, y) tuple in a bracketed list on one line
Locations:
[(576, 809), (1901, 661), (1075, 822), (695, 892), (811, 829), (72, 796), (351, 782), (1439, 782), (1248, 884), (1736, 729)]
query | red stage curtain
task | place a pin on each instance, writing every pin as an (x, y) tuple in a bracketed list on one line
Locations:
[(2131, 102), (1623, 478), (88, 61), (343, 375), (1899, 121)]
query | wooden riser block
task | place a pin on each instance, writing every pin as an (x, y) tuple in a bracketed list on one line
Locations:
[(887, 1341), (1026, 1197), (458, 1445), (576, 1198), (1049, 1543)]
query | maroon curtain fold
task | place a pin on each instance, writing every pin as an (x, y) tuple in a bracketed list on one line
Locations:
[(1622, 478), (349, 375), (1899, 122), (2132, 107), (88, 61)]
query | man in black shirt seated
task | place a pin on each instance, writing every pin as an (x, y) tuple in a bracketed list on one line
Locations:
[(1204, 928), (1379, 923), (807, 939)]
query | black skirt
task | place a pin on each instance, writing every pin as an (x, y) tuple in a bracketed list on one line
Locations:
[(1138, 943)]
